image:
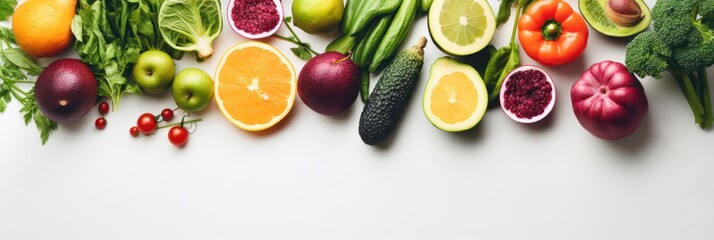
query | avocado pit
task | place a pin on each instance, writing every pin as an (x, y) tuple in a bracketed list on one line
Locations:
[(626, 13)]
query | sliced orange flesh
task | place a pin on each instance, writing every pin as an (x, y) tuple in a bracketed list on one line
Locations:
[(454, 98), (255, 86)]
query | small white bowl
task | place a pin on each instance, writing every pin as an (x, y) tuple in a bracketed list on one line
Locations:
[(547, 109), (229, 13)]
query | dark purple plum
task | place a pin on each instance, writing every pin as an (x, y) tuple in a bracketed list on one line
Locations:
[(66, 90), (329, 83)]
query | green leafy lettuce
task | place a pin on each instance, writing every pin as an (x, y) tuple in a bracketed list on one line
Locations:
[(110, 35), (191, 25)]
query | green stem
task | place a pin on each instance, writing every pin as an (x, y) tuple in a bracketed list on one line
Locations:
[(297, 39), (179, 123), (287, 24), (24, 81), (302, 44), (515, 23), (286, 39), (705, 98), (18, 89), (692, 96), (551, 30), (16, 93)]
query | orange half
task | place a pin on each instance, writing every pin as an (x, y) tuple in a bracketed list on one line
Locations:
[(255, 85), (455, 98)]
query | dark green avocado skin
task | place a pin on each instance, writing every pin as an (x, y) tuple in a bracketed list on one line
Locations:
[(389, 98)]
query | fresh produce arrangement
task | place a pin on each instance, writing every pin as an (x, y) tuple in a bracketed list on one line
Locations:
[(130, 47)]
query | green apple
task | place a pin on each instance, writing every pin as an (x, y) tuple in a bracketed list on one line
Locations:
[(192, 89), (154, 71)]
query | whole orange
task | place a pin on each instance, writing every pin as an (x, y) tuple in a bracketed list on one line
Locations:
[(42, 28)]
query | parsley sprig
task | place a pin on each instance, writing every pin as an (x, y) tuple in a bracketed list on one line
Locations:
[(16, 65), (6, 8), (303, 49)]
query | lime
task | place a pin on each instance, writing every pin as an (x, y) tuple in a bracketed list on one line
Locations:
[(461, 27), (317, 16)]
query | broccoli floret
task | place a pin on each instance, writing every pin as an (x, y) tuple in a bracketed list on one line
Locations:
[(706, 11), (673, 20), (647, 55), (695, 56), (708, 21), (706, 8), (677, 24), (682, 42)]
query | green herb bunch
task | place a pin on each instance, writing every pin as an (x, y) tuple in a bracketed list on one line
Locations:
[(16, 65)]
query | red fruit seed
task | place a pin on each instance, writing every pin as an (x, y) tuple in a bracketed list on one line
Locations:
[(167, 114), (255, 16), (527, 94), (103, 107), (100, 123), (134, 131)]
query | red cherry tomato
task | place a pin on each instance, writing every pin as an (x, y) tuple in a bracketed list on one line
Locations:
[(103, 107), (167, 114), (134, 131), (146, 123), (178, 135), (100, 123)]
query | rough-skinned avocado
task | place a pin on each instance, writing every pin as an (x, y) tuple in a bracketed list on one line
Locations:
[(594, 12), (390, 96)]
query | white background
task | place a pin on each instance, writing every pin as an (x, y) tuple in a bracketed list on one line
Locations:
[(311, 177)]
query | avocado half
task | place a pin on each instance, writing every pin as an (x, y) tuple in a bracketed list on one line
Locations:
[(594, 13)]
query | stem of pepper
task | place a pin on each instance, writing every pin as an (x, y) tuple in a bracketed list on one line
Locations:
[(551, 30)]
